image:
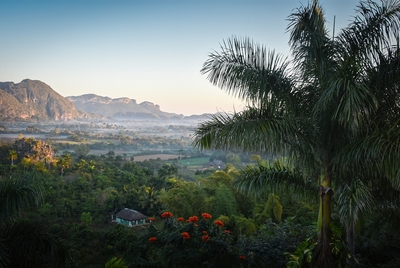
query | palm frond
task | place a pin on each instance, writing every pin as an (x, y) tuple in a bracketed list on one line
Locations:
[(385, 81), (116, 262), (355, 103), (353, 199), (35, 244), (264, 178), (375, 153), (309, 42), (248, 71), (17, 194), (251, 130), (373, 29)]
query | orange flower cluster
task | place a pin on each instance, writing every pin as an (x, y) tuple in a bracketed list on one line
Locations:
[(193, 219), (219, 223), (205, 238), (152, 219), (227, 231), (166, 214), (185, 235), (153, 239), (181, 219), (206, 216), (242, 257)]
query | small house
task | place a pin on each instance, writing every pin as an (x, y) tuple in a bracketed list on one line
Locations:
[(130, 217)]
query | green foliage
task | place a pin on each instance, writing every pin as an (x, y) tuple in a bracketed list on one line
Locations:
[(32, 152), (26, 242), (36, 244), (339, 245), (116, 262), (224, 202), (196, 244), (183, 200), (19, 193), (82, 150), (269, 245), (100, 186), (233, 159), (303, 255), (273, 208), (335, 115), (86, 218)]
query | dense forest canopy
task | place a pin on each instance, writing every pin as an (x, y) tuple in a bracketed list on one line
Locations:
[(307, 175)]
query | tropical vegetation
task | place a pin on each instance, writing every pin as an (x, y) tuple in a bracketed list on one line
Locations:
[(331, 110), (320, 187)]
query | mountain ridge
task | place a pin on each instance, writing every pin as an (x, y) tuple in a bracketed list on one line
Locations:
[(35, 100)]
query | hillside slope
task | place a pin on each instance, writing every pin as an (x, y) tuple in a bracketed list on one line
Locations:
[(34, 100), (120, 108)]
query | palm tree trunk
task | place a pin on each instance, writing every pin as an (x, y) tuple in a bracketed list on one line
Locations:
[(351, 241), (323, 257)]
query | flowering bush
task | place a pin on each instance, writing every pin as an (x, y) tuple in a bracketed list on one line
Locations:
[(219, 223), (166, 214), (193, 219), (151, 219), (206, 216), (205, 238), (198, 243), (185, 235)]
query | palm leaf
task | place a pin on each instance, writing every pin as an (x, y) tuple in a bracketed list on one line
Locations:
[(116, 262), (250, 130), (248, 71), (17, 194), (309, 42), (278, 178), (35, 244), (353, 199)]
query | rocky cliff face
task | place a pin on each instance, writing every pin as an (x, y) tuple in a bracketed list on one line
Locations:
[(120, 108), (34, 100)]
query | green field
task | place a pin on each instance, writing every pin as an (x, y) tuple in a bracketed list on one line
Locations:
[(194, 161)]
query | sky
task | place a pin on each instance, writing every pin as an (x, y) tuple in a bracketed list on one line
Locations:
[(147, 50)]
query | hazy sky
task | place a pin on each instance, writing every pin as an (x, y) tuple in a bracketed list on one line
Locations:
[(144, 50)]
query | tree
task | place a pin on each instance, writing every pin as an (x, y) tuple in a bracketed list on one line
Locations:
[(184, 199), (34, 152), (335, 110), (86, 218), (82, 150), (25, 242), (148, 199), (64, 162), (13, 156)]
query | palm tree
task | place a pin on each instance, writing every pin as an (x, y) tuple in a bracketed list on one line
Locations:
[(64, 162), (332, 110), (148, 199), (25, 242), (13, 156)]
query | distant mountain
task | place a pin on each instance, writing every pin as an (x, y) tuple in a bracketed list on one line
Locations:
[(120, 108), (34, 100)]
